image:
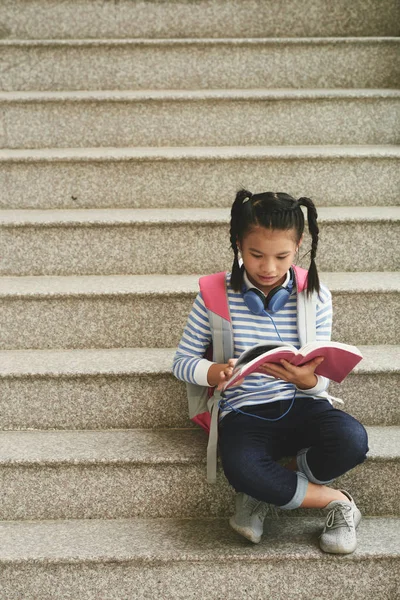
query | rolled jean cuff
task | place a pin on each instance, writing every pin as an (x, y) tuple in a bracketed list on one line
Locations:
[(300, 493), (304, 468)]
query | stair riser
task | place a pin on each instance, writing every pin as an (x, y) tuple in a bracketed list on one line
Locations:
[(196, 182), (158, 320), (214, 18), (222, 122), (163, 249), (370, 578), (112, 491), (200, 66), (156, 401)]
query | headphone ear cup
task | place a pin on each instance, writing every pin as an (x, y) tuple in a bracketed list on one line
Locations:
[(255, 301), (277, 299)]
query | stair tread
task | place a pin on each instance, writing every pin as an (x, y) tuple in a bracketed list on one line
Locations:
[(199, 152), (115, 285), (143, 361), (140, 446), (189, 41), (138, 216), (194, 95), (176, 540)]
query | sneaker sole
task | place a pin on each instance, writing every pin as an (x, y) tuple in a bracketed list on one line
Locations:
[(337, 549), (245, 532), (357, 518)]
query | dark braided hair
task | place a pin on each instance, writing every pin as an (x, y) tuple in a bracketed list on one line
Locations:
[(273, 211)]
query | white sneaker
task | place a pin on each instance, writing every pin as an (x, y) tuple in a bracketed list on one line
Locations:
[(248, 519), (339, 534)]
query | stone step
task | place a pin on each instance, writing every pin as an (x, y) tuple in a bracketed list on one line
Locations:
[(134, 388), (158, 473), (151, 310), (198, 64), (146, 241), (203, 18), (175, 558), (175, 177), (199, 117)]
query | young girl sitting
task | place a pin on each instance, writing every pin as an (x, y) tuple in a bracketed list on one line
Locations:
[(279, 413)]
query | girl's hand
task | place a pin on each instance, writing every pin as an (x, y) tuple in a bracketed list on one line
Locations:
[(302, 377), (226, 373)]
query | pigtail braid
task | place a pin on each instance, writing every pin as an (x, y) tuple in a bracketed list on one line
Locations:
[(313, 284), (236, 214)]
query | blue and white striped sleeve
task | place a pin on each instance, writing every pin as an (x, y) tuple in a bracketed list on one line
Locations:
[(189, 363), (323, 334)]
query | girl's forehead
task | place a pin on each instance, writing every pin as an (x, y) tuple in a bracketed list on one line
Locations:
[(264, 235)]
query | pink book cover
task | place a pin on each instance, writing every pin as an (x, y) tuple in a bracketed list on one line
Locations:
[(340, 359)]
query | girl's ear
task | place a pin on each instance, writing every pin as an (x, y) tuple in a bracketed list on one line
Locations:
[(300, 241)]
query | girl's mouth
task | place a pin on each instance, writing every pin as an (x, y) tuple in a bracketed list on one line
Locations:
[(267, 279)]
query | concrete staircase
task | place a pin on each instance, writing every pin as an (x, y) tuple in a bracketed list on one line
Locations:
[(126, 129)]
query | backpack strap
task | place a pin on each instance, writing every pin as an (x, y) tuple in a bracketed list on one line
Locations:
[(215, 296), (213, 290), (306, 308)]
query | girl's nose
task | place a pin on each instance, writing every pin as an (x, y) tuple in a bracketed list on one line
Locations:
[(268, 268)]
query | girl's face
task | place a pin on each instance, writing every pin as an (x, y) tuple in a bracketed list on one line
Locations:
[(267, 256)]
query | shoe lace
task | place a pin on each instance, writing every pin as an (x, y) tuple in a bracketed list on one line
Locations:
[(339, 516), (261, 509)]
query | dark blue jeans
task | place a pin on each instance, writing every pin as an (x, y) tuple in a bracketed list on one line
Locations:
[(328, 442)]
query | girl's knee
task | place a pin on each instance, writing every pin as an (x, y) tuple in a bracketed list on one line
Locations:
[(356, 440)]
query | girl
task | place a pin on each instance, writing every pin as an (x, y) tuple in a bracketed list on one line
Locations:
[(279, 413)]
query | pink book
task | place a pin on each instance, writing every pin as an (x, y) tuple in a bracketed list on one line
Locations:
[(340, 359)]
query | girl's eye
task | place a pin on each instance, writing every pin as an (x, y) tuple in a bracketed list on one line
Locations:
[(256, 256)]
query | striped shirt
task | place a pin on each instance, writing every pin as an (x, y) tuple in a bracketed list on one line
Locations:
[(248, 329)]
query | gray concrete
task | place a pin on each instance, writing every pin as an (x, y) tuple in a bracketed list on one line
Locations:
[(134, 388), (205, 18), (146, 241), (175, 177), (151, 311), (120, 474), (203, 118), (200, 64)]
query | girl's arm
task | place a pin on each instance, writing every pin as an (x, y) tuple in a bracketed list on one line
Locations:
[(189, 363)]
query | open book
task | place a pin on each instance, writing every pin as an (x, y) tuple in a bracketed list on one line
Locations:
[(340, 359)]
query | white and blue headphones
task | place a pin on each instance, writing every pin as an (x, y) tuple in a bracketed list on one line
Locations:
[(276, 299)]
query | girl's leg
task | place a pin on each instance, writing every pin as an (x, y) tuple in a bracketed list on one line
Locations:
[(332, 442), (249, 450)]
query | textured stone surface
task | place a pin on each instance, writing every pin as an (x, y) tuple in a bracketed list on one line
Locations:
[(134, 388), (194, 560), (183, 18), (175, 177), (194, 64), (180, 540), (202, 118), (151, 311), (118, 474), (374, 577), (95, 242)]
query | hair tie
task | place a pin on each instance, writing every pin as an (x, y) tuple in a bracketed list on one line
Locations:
[(246, 199)]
